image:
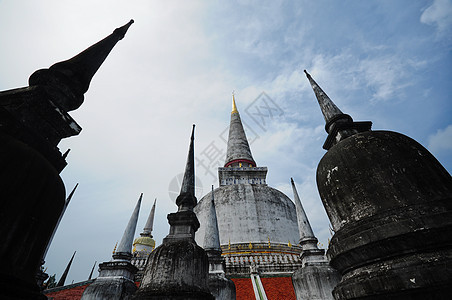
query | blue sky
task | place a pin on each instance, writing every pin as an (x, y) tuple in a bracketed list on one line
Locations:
[(388, 62)]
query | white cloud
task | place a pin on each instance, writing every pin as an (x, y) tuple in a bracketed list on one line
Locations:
[(441, 141), (439, 14)]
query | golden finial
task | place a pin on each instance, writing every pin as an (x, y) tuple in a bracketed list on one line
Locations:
[(234, 107), (134, 248), (269, 245), (229, 244), (114, 250), (289, 244), (250, 246)]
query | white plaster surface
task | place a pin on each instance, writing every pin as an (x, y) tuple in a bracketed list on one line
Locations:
[(250, 213)]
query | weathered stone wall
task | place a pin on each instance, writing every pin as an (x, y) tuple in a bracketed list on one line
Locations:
[(390, 203)]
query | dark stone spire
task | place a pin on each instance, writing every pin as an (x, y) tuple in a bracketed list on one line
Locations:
[(66, 203), (178, 269), (188, 183), (338, 125), (72, 77), (92, 270), (66, 271), (239, 152), (187, 200)]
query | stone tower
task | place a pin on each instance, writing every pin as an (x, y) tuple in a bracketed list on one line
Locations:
[(116, 277), (316, 279), (179, 268), (257, 224), (144, 245), (220, 286), (33, 120), (389, 202)]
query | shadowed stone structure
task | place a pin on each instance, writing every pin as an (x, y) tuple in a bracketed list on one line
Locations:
[(33, 120), (316, 279), (178, 269), (390, 204)]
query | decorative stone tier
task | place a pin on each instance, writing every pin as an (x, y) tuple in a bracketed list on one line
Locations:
[(269, 258), (140, 263), (231, 175)]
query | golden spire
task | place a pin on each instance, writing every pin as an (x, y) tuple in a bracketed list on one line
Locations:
[(114, 250), (234, 107)]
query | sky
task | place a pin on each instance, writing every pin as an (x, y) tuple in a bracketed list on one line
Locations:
[(388, 62)]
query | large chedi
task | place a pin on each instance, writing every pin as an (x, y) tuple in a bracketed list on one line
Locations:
[(389, 202), (257, 224)]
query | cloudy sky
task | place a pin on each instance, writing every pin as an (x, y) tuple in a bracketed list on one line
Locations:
[(385, 61)]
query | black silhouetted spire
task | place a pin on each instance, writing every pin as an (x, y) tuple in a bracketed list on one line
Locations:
[(92, 270), (188, 183), (338, 125), (72, 77), (66, 271)]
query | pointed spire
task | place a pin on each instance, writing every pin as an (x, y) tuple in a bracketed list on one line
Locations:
[(68, 199), (187, 199), (234, 107), (66, 203), (92, 270), (239, 152), (66, 271), (147, 230), (329, 110), (307, 238), (72, 77), (124, 249), (212, 235), (338, 125)]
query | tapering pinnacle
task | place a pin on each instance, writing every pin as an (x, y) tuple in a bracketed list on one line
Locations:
[(147, 230), (66, 271), (125, 246), (188, 183), (187, 199), (238, 153), (212, 235), (338, 125), (72, 77), (329, 109), (307, 238)]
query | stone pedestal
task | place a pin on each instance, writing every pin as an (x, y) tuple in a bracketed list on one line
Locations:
[(115, 282), (176, 270), (390, 203)]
